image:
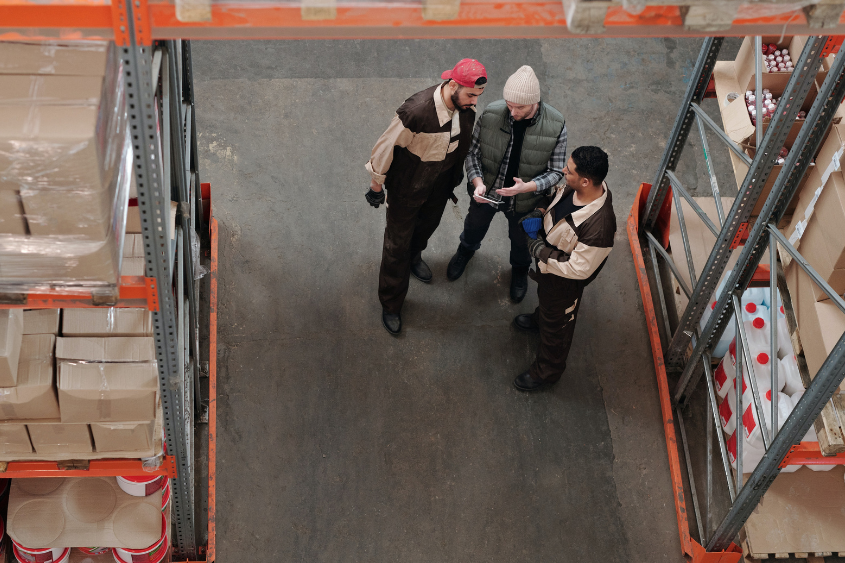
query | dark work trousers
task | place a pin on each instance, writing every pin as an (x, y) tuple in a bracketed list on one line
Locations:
[(478, 221), (560, 300), (407, 232)]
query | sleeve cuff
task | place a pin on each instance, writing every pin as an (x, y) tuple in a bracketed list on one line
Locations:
[(379, 178), (545, 253)]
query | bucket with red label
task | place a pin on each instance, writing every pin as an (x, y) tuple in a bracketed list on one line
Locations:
[(153, 554), (165, 495), (142, 486), (46, 555), (94, 550)]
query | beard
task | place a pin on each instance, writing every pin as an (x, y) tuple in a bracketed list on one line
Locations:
[(456, 102)]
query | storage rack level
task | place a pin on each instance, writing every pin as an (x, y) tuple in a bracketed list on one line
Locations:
[(158, 79), (686, 349)]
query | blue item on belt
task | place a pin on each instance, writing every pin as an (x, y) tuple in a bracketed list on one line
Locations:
[(531, 226)]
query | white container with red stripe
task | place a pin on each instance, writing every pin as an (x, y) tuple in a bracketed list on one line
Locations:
[(46, 555), (153, 554), (165, 495), (751, 422), (142, 486)]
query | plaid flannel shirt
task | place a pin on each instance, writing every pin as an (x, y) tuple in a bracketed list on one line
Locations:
[(545, 181)]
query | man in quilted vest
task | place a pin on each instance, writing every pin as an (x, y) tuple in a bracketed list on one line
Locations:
[(418, 160), (571, 241), (518, 151)]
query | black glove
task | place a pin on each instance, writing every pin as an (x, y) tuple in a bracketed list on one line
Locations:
[(375, 198), (535, 246), (536, 213)]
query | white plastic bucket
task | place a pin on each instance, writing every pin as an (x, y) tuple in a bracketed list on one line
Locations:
[(153, 554), (46, 555), (142, 486)]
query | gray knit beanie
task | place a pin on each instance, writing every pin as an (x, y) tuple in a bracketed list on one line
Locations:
[(522, 87)]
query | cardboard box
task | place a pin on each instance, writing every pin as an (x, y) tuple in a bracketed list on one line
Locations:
[(11, 333), (113, 349), (123, 437), (774, 81), (45, 89), (14, 439), (12, 221), (731, 101), (81, 511), (830, 214), (133, 246), (820, 323), (112, 321), (60, 438), (107, 392), (85, 58), (41, 321), (34, 396), (133, 267)]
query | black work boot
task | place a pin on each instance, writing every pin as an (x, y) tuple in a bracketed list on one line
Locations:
[(458, 263), (392, 323), (526, 322), (420, 269), (519, 284), (524, 382)]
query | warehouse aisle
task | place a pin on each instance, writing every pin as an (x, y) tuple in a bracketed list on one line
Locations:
[(337, 442)]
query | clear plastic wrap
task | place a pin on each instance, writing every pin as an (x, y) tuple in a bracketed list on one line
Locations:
[(65, 166)]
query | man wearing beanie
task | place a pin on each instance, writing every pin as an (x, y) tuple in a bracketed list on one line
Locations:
[(571, 241), (418, 160), (518, 151)]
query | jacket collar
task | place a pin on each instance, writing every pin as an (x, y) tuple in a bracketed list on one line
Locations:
[(531, 122), (585, 212), (444, 116)]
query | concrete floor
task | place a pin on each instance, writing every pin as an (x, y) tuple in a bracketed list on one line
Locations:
[(337, 442)]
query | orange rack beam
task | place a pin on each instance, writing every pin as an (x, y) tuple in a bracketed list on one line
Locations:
[(92, 19), (96, 468), (133, 291)]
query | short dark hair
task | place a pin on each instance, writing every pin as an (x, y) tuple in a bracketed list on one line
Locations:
[(590, 163), (478, 83)]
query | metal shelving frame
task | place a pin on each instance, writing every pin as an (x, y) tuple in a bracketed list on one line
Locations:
[(687, 350), (160, 108)]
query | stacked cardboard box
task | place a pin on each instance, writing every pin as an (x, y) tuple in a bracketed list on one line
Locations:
[(733, 79), (816, 229), (64, 164), (87, 391)]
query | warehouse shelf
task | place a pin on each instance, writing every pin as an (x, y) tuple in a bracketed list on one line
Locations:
[(158, 79), (746, 232)]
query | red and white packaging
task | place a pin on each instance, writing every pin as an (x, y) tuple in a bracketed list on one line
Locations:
[(142, 486), (751, 423), (46, 555), (723, 377), (751, 455), (153, 554)]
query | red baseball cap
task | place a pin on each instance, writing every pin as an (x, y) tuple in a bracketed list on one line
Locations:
[(466, 72)]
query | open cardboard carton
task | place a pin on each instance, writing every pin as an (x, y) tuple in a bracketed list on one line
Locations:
[(60, 512), (731, 100)]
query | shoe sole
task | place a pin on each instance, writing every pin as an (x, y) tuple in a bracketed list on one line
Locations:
[(517, 300), (523, 329), (533, 389)]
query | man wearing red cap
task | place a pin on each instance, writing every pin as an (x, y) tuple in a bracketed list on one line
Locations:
[(419, 160)]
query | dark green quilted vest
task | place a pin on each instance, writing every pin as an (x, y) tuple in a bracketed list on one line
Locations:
[(540, 140)]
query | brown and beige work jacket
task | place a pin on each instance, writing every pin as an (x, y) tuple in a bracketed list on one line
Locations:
[(578, 244), (425, 145)]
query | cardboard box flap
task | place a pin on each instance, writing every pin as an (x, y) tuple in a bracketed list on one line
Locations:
[(14, 439), (130, 376), (34, 395), (56, 512), (110, 349), (61, 438)]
